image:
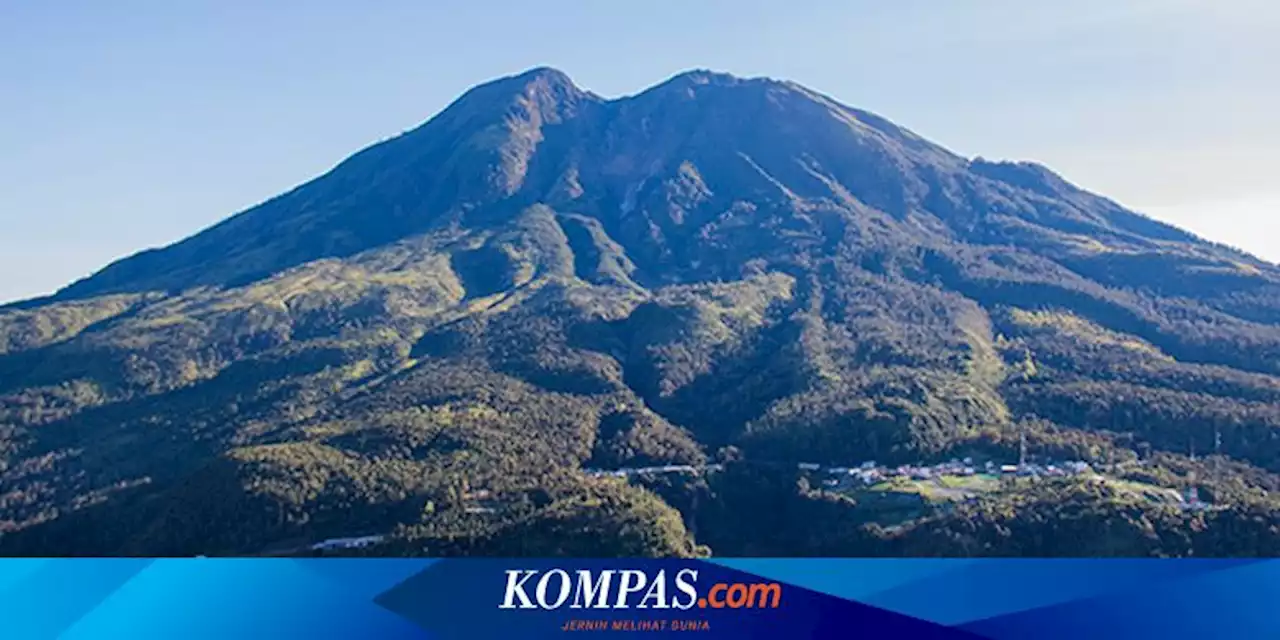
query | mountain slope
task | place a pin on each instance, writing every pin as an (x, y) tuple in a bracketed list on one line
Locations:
[(435, 338)]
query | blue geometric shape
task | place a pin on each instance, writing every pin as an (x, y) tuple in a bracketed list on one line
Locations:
[(852, 579), (230, 598), (44, 599), (14, 570), (458, 600), (1236, 602), (350, 598), (1001, 586), (365, 578)]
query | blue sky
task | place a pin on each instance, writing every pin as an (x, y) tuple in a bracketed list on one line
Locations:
[(133, 123)]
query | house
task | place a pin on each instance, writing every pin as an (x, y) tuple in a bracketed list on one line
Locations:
[(1076, 466)]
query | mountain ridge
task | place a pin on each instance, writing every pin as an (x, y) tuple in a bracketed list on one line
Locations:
[(538, 280), (549, 86)]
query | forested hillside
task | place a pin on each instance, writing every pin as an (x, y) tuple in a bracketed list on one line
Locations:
[(435, 341)]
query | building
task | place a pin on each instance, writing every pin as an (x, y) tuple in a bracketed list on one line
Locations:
[(346, 543), (1076, 466)]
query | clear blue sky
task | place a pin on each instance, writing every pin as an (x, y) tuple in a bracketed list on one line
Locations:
[(133, 123)]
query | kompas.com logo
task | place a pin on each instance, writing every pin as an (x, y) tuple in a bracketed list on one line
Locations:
[(631, 588)]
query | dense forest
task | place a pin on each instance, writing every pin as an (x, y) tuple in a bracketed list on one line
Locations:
[(437, 341)]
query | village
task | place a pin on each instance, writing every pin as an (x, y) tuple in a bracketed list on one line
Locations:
[(870, 473), (965, 479), (955, 480)]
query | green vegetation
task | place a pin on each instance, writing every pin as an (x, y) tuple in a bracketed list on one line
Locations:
[(434, 340)]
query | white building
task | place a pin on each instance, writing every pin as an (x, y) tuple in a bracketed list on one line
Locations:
[(346, 543)]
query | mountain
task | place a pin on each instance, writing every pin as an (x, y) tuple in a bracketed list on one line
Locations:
[(435, 340)]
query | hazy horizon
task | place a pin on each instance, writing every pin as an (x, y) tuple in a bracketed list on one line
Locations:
[(134, 130)]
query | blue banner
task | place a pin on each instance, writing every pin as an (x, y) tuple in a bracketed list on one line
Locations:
[(723, 598)]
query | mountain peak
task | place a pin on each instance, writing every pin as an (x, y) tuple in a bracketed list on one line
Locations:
[(545, 72), (648, 164), (537, 82), (538, 282), (710, 78), (545, 76), (706, 76)]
